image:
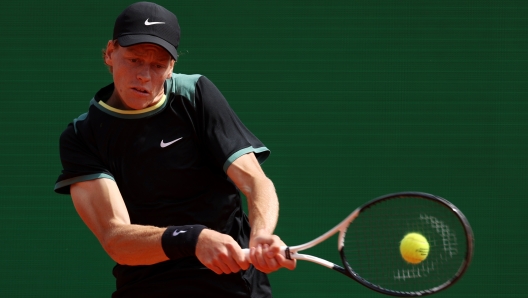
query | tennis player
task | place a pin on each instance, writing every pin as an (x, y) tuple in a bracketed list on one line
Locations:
[(154, 169)]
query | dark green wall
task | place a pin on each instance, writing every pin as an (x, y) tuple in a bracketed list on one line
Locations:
[(355, 99)]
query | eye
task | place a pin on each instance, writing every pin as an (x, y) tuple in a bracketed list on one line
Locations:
[(133, 60)]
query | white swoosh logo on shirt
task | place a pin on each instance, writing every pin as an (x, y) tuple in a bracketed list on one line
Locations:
[(163, 144)]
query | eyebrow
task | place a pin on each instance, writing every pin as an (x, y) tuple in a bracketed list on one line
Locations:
[(142, 53)]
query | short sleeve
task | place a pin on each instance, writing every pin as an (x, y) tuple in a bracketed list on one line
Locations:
[(223, 133), (78, 161)]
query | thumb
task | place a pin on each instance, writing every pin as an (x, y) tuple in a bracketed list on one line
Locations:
[(273, 251)]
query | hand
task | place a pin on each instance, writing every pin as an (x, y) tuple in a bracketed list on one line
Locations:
[(265, 253), (220, 252)]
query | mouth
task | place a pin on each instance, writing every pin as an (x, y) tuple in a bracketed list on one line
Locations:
[(141, 90)]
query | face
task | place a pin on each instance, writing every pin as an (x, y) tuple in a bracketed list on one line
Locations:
[(139, 73)]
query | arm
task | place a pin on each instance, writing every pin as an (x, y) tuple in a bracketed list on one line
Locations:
[(263, 207), (101, 207)]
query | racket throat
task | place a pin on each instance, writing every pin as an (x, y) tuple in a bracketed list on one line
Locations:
[(287, 253), (341, 270)]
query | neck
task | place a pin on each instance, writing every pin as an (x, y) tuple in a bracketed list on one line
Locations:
[(115, 101)]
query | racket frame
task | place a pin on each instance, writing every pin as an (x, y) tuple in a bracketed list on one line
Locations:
[(463, 220), (291, 252)]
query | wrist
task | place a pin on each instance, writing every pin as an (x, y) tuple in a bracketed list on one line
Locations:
[(260, 231), (180, 241)]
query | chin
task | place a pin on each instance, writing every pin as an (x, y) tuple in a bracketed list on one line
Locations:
[(139, 103), (139, 106)]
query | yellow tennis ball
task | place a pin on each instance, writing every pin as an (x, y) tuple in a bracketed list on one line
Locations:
[(414, 248)]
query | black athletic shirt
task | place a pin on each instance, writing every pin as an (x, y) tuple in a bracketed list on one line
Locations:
[(169, 162)]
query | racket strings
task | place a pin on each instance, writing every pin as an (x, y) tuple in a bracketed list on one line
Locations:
[(372, 244)]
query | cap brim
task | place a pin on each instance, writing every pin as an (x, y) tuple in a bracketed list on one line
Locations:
[(130, 40)]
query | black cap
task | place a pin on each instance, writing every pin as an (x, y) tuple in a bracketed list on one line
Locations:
[(146, 22)]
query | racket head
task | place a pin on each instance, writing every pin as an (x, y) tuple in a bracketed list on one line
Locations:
[(371, 249)]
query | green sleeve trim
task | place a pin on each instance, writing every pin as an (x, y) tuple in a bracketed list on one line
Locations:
[(73, 180), (184, 85), (244, 151), (80, 118)]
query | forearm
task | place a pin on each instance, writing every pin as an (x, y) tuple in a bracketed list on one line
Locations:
[(263, 204), (102, 209), (129, 244), (265, 246), (263, 207)]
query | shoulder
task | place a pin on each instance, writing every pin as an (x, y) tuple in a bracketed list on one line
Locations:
[(184, 85), (189, 86), (184, 80), (72, 134), (74, 126), (80, 127)]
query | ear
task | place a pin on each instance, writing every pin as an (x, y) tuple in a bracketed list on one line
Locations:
[(110, 48)]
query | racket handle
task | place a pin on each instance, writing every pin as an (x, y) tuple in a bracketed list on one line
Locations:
[(245, 251), (284, 250)]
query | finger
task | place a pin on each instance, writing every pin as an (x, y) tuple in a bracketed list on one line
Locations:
[(286, 263), (237, 258), (270, 261), (230, 263), (257, 259), (275, 245), (241, 259), (272, 265), (244, 265), (254, 255), (222, 265), (215, 269), (273, 251)]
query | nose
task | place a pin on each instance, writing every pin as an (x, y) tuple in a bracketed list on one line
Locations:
[(143, 73)]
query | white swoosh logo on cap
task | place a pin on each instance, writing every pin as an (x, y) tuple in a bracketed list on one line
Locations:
[(147, 23), (163, 144)]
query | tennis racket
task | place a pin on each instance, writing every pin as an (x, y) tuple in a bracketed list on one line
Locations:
[(370, 252)]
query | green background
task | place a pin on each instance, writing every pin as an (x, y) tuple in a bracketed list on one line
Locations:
[(355, 99)]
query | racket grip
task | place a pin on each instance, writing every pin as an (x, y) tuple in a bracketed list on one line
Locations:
[(246, 252), (284, 250)]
